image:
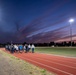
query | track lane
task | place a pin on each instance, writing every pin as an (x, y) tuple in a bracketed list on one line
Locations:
[(49, 63), (49, 68), (73, 60), (72, 64), (39, 60)]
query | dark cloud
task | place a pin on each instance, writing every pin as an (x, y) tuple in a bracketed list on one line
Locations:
[(36, 20)]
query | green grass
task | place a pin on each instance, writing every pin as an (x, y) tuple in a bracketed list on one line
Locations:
[(57, 50)]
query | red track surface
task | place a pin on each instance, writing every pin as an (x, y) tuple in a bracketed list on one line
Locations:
[(57, 64)]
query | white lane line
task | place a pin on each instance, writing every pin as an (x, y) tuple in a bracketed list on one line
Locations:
[(56, 63), (59, 55), (47, 66), (60, 60), (53, 62)]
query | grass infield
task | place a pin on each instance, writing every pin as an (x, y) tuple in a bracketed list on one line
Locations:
[(65, 51)]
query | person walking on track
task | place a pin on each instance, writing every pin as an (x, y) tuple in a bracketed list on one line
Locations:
[(32, 47)]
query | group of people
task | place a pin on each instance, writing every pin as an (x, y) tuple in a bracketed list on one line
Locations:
[(20, 48)]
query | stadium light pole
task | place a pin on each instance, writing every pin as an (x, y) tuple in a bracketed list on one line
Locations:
[(71, 21)]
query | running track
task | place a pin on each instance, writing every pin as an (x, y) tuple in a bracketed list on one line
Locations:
[(56, 64)]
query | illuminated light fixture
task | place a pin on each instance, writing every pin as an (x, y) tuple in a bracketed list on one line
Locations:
[(71, 20)]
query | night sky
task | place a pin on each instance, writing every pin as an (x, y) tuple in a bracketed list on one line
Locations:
[(34, 21)]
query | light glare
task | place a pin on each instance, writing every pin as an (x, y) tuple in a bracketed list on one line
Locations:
[(71, 20)]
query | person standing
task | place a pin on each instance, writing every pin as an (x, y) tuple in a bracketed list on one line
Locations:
[(20, 48), (29, 47), (12, 48), (16, 48), (26, 48), (32, 47), (6, 47)]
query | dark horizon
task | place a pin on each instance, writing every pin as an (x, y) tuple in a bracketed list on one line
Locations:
[(35, 21)]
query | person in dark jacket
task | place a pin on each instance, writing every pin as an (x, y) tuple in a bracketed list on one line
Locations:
[(26, 48), (11, 48)]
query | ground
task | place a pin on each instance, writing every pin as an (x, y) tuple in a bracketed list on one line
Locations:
[(59, 60), (10, 65), (63, 51)]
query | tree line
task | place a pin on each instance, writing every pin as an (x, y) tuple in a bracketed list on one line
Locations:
[(53, 44)]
